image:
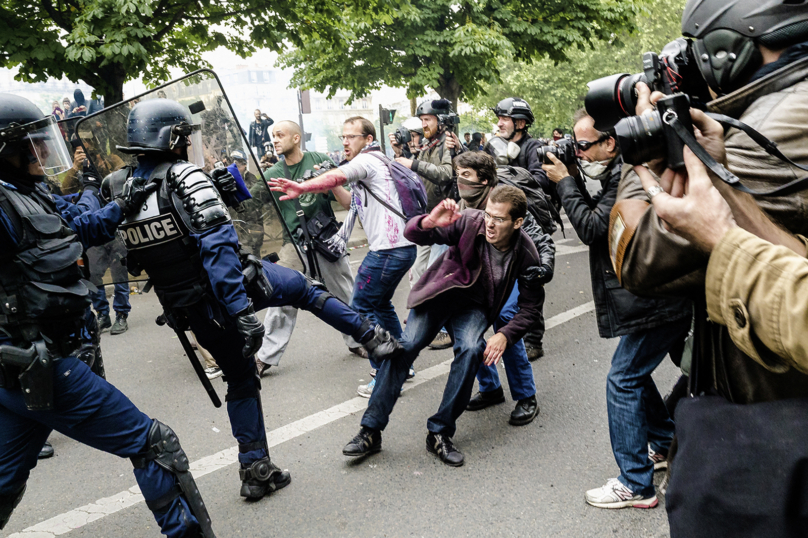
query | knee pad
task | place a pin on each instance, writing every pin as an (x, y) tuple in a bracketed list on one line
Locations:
[(163, 448), (8, 503)]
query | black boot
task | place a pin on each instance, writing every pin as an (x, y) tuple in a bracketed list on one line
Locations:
[(120, 325), (104, 322), (366, 442), (382, 346), (525, 411), (481, 400), (444, 448), (261, 478)]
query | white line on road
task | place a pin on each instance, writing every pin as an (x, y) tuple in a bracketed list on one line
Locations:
[(78, 517)]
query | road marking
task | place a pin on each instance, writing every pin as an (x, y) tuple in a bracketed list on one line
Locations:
[(78, 517), (563, 250)]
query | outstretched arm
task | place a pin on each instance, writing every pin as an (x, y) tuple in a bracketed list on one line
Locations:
[(322, 184)]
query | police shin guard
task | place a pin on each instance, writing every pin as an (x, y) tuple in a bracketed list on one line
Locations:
[(164, 449), (8, 503), (380, 344)]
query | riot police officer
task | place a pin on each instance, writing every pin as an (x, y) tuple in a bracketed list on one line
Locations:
[(184, 240), (43, 303)]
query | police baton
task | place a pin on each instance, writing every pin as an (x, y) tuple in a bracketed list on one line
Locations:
[(200, 372)]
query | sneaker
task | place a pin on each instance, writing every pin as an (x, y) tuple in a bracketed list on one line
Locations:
[(359, 352), (120, 326), (373, 373), (660, 460), (261, 367), (213, 372), (442, 446), (410, 374), (615, 495), (261, 478), (366, 442), (366, 390), (442, 341), (104, 322), (534, 352)]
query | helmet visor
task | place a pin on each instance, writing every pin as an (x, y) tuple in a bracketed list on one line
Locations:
[(196, 147), (48, 146)]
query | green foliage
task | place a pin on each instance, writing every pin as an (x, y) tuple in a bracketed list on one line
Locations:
[(455, 47), (106, 42), (556, 90)]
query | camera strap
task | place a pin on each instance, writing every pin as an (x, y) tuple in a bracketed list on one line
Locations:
[(725, 175), (314, 267)]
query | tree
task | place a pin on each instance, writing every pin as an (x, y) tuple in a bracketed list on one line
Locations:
[(107, 42), (451, 46), (556, 91)]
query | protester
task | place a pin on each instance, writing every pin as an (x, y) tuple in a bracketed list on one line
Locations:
[(259, 134), (391, 255), (558, 134), (639, 425)]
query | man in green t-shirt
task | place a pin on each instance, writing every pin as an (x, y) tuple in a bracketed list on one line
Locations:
[(280, 321)]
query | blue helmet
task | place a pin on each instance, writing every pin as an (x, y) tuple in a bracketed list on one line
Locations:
[(158, 126)]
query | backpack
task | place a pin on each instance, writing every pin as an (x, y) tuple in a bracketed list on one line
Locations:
[(538, 203), (409, 186)]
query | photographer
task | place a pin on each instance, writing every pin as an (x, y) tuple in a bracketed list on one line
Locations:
[(765, 89), (412, 148), (433, 164), (280, 321), (640, 427)]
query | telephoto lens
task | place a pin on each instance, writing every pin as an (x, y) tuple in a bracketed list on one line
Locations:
[(403, 135), (650, 136), (563, 149), (612, 98)]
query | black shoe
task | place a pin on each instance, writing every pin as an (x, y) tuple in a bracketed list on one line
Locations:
[(366, 442), (261, 367), (534, 352), (481, 400), (383, 346), (46, 451), (261, 478), (120, 325), (442, 445), (525, 411), (104, 322), (359, 352)]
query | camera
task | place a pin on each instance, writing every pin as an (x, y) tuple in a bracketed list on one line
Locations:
[(403, 136), (650, 136), (563, 149), (450, 120), (325, 166), (673, 70)]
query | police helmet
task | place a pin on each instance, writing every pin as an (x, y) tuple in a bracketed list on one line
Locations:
[(158, 126), (516, 109), (726, 33), (24, 126)]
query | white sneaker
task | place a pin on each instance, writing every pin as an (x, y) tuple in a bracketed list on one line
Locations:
[(660, 461), (366, 390), (213, 373), (615, 495)]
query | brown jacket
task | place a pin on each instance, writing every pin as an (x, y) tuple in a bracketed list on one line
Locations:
[(759, 291), (653, 261)]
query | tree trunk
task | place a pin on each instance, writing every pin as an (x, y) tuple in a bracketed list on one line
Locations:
[(113, 76), (449, 88), (413, 106)]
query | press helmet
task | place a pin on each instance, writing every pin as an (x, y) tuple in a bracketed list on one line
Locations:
[(515, 108), (726, 32), (158, 125)]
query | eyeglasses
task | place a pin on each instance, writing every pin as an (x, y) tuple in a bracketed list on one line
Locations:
[(584, 145), (497, 220), (350, 137)]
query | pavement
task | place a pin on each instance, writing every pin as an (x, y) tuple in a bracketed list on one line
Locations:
[(517, 481)]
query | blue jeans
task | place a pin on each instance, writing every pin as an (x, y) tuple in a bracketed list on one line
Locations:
[(93, 412), (517, 367), (376, 282), (120, 301), (637, 414), (467, 327)]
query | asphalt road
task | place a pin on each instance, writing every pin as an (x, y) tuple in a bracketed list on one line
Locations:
[(517, 481)]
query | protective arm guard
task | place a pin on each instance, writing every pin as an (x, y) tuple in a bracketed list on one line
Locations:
[(196, 199), (163, 448)]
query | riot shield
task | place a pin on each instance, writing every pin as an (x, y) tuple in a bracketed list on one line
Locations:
[(215, 136)]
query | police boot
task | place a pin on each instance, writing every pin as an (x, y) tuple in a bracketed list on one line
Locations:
[(120, 325), (104, 322), (381, 345), (262, 477)]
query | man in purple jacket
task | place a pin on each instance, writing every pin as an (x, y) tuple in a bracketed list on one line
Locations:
[(464, 291)]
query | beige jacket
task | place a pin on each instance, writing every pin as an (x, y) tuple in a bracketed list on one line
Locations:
[(760, 292)]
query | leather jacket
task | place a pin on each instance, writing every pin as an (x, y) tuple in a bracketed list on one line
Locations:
[(619, 312), (658, 262)]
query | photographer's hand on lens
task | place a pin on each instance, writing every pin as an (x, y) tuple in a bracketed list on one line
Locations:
[(555, 171), (444, 214), (252, 329), (135, 192), (494, 349), (695, 209)]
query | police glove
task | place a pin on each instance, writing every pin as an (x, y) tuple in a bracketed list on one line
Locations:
[(90, 181), (135, 192), (536, 275), (224, 181), (252, 329)]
